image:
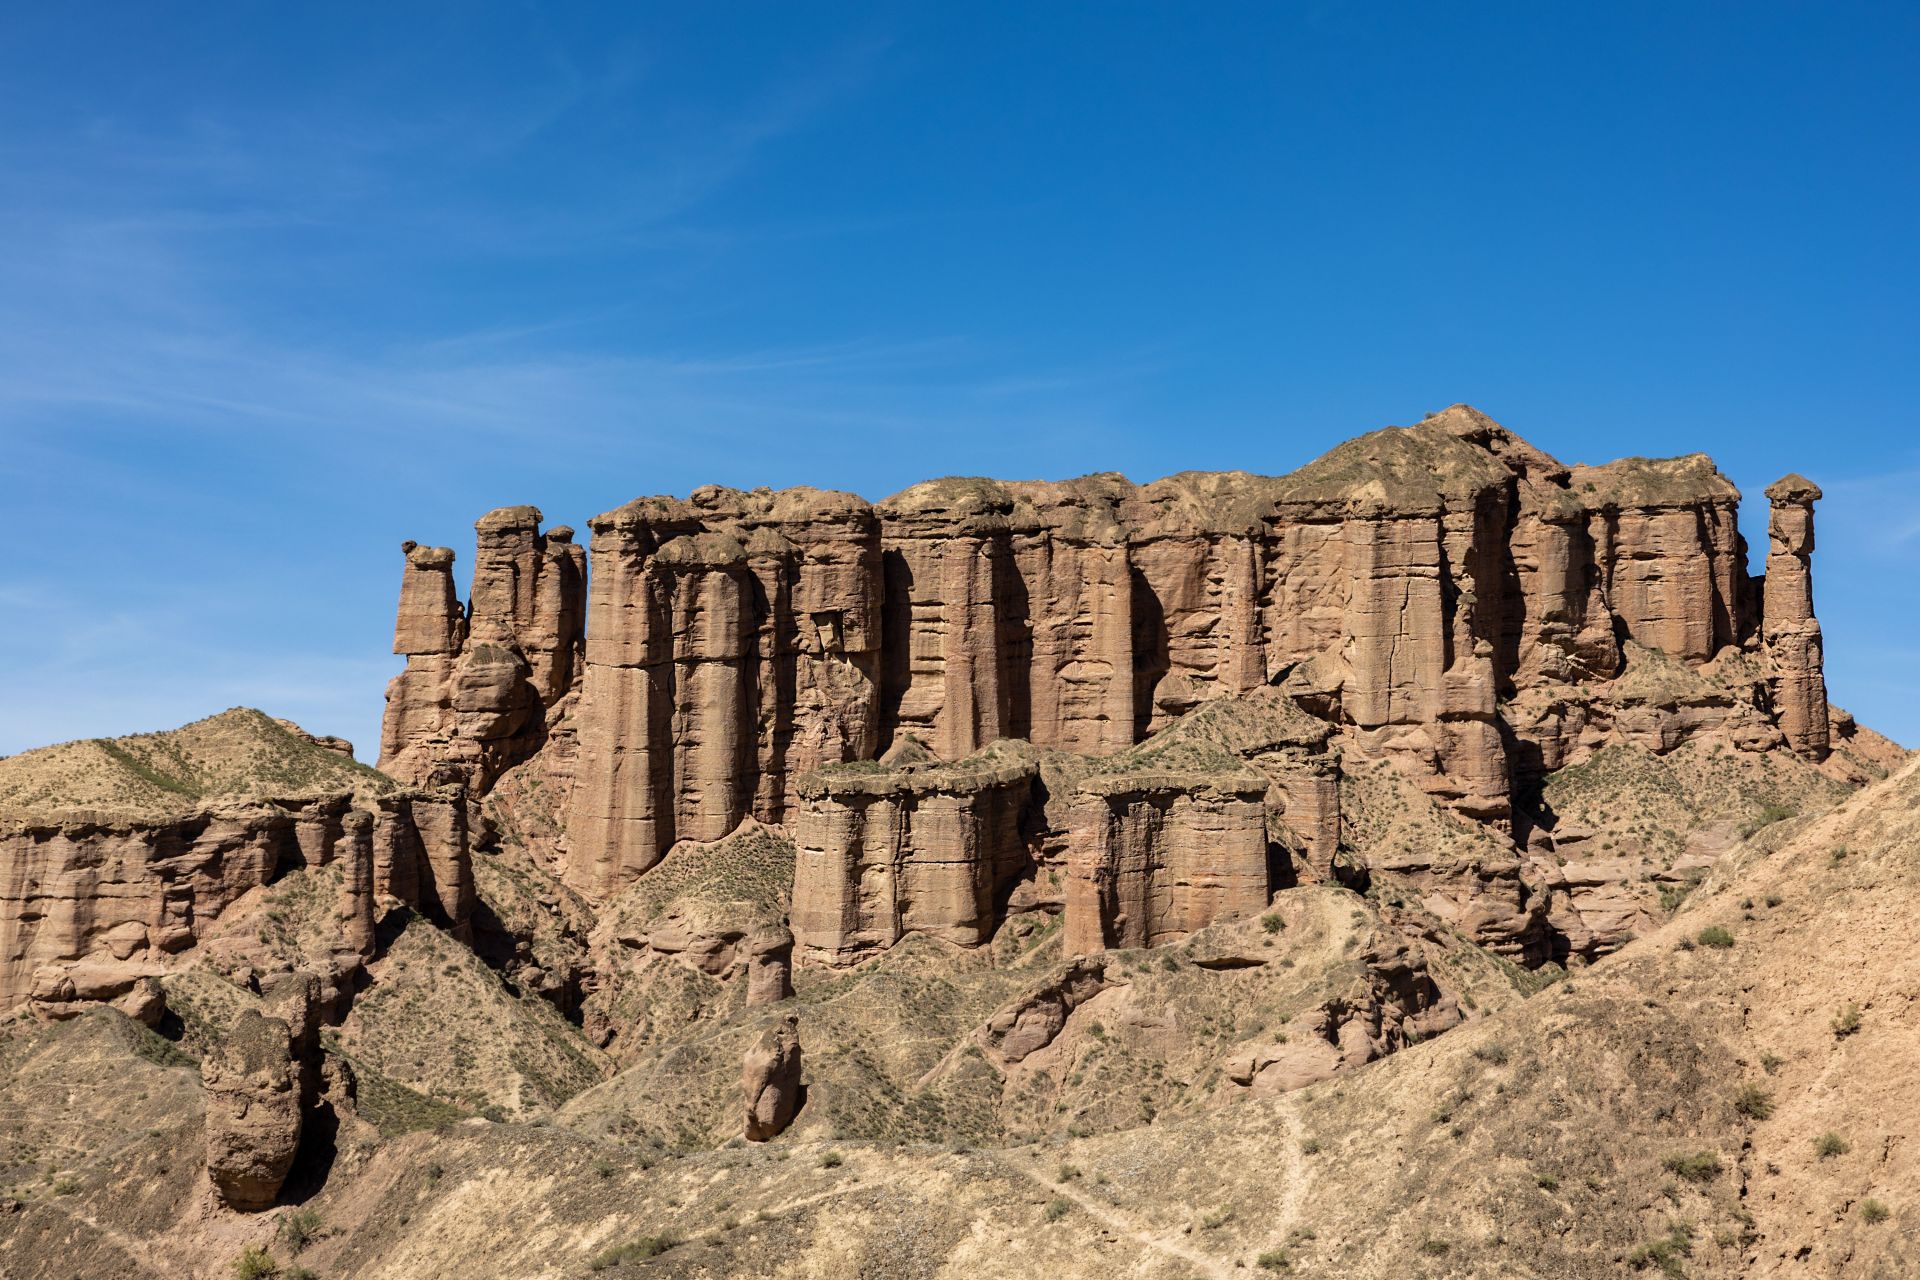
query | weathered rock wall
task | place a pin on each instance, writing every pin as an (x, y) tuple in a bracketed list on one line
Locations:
[(1444, 597), (131, 891), (881, 853), (1156, 857)]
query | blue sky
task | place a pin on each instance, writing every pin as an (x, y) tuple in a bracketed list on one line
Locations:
[(287, 284)]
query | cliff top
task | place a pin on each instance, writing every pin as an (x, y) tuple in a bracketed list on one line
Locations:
[(239, 754), (1446, 461)]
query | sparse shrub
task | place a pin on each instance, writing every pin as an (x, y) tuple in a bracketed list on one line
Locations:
[(300, 1229), (1701, 1166), (1846, 1021), (1217, 1219), (1716, 937), (632, 1251), (1666, 1252), (1168, 963), (1495, 1053), (1058, 1208), (1274, 1260), (1310, 1147), (255, 1264), (1773, 899), (1272, 922), (1831, 1144), (1435, 1248), (1097, 1030), (1753, 1101), (605, 1168), (832, 1160), (1771, 1062), (65, 1185), (1067, 1173), (1873, 1211), (1547, 1182)]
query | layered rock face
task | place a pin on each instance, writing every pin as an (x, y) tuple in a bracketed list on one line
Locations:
[(1444, 598), (919, 848), (92, 899), (133, 890), (1156, 857), (734, 640)]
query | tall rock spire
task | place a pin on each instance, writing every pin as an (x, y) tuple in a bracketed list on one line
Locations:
[(1791, 631)]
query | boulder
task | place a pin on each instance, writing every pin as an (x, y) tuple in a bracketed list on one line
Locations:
[(770, 1080)]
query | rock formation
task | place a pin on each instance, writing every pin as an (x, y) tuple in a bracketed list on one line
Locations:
[(1792, 632), (919, 848), (480, 682), (1037, 1017), (252, 1080), (1442, 598), (769, 965), (770, 1080), (126, 885)]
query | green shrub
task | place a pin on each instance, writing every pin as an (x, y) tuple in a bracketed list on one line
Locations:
[(1435, 1248), (1873, 1211), (1701, 1166), (832, 1160), (300, 1229), (1753, 1101), (1666, 1252), (1058, 1208), (1217, 1219), (1716, 937), (1547, 1182), (1067, 1173), (1846, 1021), (255, 1264), (1275, 1260), (65, 1185), (1495, 1053), (1831, 1144), (1272, 922)]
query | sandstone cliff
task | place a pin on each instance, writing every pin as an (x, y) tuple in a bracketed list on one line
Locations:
[(1443, 598), (116, 856)]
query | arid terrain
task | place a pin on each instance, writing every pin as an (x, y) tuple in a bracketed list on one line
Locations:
[(1438, 861)]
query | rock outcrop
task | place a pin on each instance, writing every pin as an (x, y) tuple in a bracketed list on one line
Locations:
[(252, 1080), (480, 682), (136, 879), (917, 848), (769, 965), (1034, 1020), (1400, 1004), (1444, 598), (770, 1080)]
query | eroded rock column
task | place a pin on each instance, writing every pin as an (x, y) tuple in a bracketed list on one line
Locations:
[(1791, 631)]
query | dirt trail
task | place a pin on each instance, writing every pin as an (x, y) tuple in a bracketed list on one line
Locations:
[(1168, 1243)]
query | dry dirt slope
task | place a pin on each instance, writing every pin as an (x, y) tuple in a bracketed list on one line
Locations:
[(1681, 1108)]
